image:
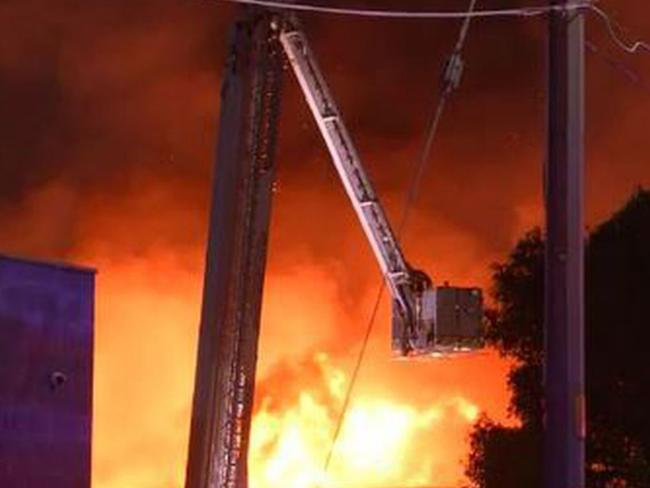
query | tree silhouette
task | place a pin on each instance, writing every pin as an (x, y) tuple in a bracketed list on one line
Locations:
[(617, 362)]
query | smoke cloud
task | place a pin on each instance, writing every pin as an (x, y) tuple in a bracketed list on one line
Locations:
[(108, 123)]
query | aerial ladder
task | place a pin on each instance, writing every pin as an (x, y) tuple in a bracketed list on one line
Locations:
[(415, 301), (428, 320)]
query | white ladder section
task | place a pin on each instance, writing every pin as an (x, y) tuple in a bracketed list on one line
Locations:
[(347, 163)]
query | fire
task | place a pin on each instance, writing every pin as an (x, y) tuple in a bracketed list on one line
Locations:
[(406, 425), (379, 444), (407, 422), (111, 169)]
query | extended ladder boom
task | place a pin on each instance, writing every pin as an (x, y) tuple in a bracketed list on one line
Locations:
[(426, 320), (347, 163)]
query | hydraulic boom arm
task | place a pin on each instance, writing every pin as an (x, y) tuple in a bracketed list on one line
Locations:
[(427, 320), (410, 289)]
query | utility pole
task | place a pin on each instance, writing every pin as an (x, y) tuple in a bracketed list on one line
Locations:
[(236, 257), (564, 439)]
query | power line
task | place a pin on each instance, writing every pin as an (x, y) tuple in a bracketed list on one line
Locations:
[(450, 83), (355, 374), (412, 14), (453, 71), (631, 47)]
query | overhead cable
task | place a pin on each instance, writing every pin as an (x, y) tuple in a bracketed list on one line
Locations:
[(414, 14), (533, 11), (355, 374), (451, 78), (629, 47)]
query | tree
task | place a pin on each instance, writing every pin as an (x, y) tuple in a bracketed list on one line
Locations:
[(617, 369), (504, 456)]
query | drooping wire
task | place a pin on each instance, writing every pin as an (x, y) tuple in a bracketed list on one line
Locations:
[(629, 47), (417, 173), (355, 375), (447, 89), (411, 14)]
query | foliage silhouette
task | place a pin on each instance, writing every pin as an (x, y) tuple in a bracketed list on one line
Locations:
[(617, 363)]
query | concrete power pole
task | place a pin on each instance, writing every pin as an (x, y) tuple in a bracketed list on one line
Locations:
[(564, 449)]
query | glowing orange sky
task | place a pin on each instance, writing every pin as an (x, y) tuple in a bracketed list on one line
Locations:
[(147, 312), (109, 113)]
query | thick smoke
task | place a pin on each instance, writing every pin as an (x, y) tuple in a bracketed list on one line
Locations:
[(108, 122)]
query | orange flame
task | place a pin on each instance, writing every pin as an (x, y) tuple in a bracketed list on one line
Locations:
[(379, 444), (392, 435)]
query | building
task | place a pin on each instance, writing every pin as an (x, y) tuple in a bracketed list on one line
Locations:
[(46, 368)]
